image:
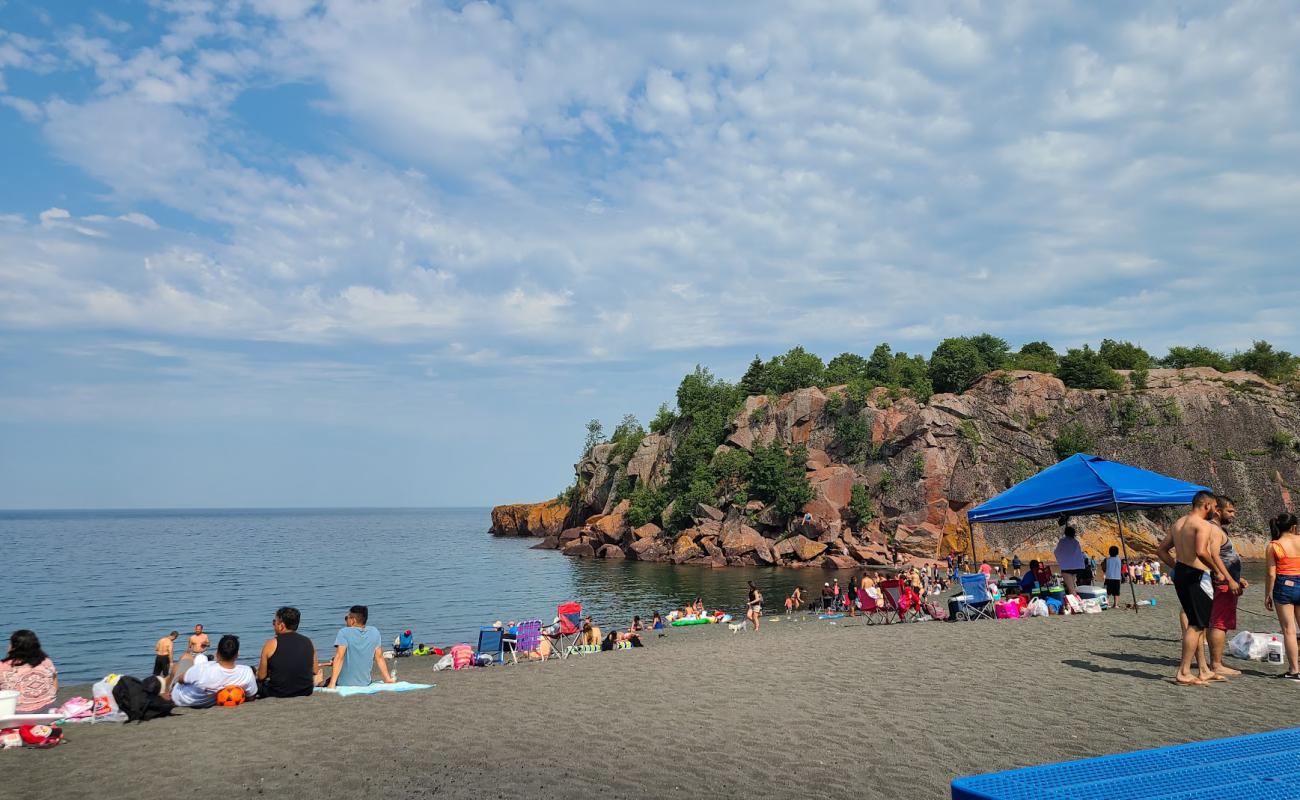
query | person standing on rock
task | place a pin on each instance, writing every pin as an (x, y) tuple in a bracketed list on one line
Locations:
[(754, 605), (1223, 609)]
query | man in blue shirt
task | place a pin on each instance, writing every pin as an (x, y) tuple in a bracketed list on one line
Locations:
[(355, 648)]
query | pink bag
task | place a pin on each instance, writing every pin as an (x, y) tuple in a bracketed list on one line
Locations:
[(1007, 609)]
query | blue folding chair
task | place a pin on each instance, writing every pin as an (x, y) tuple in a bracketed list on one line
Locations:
[(490, 642), (975, 601)]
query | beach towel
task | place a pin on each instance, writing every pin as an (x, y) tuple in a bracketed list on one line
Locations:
[(375, 688)]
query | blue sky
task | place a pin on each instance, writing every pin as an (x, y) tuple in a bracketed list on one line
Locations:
[(289, 252)]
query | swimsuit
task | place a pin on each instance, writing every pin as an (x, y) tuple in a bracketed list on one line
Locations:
[(1195, 594)]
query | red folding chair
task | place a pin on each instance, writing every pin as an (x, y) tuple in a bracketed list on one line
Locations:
[(570, 616), (900, 600), (871, 608)]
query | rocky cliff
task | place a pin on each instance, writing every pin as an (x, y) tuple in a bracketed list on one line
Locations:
[(927, 464)]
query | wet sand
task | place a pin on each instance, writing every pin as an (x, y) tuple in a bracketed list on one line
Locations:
[(802, 708)]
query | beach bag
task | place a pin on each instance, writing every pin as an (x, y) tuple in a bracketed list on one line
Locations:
[(1092, 606), (443, 663), (1251, 646), (936, 611), (1038, 607), (141, 700)]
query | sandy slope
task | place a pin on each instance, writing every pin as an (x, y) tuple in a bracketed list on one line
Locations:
[(803, 708)]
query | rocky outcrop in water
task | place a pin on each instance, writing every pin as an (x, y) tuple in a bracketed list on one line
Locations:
[(926, 464)]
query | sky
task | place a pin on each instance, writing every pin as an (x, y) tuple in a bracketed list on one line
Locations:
[(396, 253)]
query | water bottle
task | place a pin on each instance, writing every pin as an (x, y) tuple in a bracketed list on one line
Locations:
[(1274, 651)]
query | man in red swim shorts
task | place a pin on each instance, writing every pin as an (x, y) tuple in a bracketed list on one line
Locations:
[(1223, 612)]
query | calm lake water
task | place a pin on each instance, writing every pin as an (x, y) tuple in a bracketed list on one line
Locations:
[(99, 587)]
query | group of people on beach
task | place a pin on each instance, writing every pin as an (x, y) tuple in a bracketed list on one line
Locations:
[(287, 664), (1207, 577), (863, 591)]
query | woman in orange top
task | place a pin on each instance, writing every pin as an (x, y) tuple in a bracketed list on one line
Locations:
[(1282, 591)]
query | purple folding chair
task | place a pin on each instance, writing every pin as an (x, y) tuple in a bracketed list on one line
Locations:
[(528, 637)]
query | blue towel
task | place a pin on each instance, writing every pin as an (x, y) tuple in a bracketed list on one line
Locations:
[(374, 688)]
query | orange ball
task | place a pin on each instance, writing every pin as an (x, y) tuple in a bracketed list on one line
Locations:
[(230, 696)]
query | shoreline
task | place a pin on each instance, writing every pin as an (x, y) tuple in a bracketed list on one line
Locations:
[(800, 707)]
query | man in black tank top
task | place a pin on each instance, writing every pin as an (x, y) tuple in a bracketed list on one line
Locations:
[(288, 664)]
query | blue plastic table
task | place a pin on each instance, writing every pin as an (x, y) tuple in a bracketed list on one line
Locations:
[(1262, 766)]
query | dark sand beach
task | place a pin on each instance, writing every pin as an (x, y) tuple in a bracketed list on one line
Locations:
[(803, 708)]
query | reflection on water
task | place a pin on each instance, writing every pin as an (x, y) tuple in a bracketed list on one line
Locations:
[(100, 587)]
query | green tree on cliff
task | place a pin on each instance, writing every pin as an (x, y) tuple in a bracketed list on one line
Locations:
[(708, 405), (846, 368), (880, 367), (1196, 356), (1035, 357), (913, 374), (757, 379), (1084, 368), (993, 350), (1123, 355), (955, 365), (779, 478), (796, 369), (1263, 360), (595, 435)]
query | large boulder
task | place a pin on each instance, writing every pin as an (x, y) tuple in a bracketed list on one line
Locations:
[(817, 459), (740, 540), (611, 551), (838, 562), (650, 549), (684, 548), (646, 531), (613, 524), (647, 463), (799, 548), (579, 548), (832, 488), (529, 519), (705, 511)]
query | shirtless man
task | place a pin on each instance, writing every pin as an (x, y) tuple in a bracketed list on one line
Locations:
[(1223, 611), (162, 655), (198, 642), (1196, 568), (194, 646)]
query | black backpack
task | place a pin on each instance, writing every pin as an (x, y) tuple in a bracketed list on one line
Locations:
[(140, 699)]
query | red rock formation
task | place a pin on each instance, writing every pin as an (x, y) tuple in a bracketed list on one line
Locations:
[(930, 463)]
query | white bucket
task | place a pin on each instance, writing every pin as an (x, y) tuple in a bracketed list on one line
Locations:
[(8, 703)]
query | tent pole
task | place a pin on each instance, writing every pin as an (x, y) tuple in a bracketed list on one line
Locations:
[(1131, 588), (973, 566)]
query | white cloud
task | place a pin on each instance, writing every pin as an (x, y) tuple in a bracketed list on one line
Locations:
[(613, 181)]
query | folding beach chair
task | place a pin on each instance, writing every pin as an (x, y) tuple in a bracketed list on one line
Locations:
[(404, 644), (489, 641), (871, 608), (528, 637), (975, 601), (570, 616), (895, 606)]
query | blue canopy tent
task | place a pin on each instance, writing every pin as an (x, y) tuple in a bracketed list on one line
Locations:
[(1084, 484)]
